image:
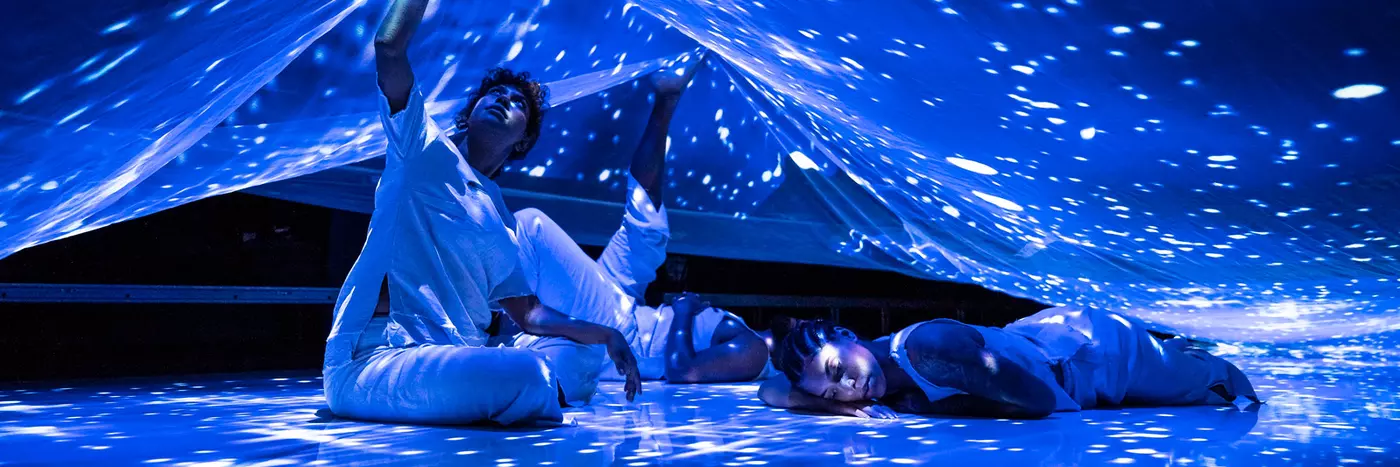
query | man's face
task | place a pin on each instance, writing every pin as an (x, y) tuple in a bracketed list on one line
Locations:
[(501, 115)]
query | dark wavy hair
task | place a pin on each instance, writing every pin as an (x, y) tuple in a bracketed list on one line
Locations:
[(799, 340), (536, 95)]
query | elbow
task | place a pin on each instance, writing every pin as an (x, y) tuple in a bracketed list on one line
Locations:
[(1035, 412), (676, 376), (769, 396), (775, 393), (389, 38), (1039, 403), (679, 372), (528, 314), (387, 46), (532, 324)]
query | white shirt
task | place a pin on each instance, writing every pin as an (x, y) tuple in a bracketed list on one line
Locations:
[(438, 234)]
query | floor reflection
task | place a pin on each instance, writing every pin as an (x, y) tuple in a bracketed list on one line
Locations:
[(1318, 412)]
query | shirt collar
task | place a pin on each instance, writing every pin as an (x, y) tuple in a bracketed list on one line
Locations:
[(474, 177)]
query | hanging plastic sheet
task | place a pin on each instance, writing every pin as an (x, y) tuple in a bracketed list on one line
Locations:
[(1222, 169)]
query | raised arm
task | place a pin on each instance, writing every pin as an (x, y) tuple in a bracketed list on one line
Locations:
[(740, 358), (953, 355), (649, 162), (391, 50), (534, 318)]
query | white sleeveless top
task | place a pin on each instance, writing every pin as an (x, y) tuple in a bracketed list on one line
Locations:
[(901, 357)]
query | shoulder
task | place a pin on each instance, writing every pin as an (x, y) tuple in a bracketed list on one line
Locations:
[(941, 330), (730, 327), (942, 338)]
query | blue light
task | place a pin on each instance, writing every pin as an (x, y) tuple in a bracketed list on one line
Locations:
[(118, 26), (854, 98)]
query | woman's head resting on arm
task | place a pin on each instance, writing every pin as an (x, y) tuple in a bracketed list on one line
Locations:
[(826, 360)]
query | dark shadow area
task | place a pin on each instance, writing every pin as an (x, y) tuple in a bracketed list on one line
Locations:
[(64, 341), (234, 239)]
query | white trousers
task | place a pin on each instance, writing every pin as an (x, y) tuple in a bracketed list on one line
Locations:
[(443, 384), (606, 291), (1112, 360)]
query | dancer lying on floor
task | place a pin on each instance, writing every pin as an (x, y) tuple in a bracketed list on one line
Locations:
[(683, 343), (1061, 359), (722, 348), (437, 237)]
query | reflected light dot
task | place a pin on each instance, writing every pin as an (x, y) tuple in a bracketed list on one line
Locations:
[(972, 166)]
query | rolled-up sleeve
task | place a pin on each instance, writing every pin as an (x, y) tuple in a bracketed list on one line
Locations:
[(406, 130)]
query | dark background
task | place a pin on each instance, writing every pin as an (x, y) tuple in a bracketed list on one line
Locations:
[(247, 240)]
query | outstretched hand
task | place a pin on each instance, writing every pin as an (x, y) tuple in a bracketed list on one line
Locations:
[(626, 363), (671, 80), (865, 409)]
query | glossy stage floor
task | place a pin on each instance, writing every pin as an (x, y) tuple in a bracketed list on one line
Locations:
[(1318, 413)]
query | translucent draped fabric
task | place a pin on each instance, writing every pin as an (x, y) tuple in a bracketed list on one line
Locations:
[(1224, 169)]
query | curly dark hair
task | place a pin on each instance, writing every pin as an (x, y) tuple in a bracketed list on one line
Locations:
[(799, 340), (536, 95)]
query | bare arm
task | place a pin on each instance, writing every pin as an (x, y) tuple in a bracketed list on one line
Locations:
[(649, 162), (739, 358), (778, 392), (954, 356), (391, 50), (535, 318)]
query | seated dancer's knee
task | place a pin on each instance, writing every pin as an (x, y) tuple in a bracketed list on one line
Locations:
[(532, 220)]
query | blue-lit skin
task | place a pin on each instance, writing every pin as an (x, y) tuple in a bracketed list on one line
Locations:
[(495, 125), (441, 236), (1057, 360), (682, 343), (738, 354), (828, 133), (502, 113)]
